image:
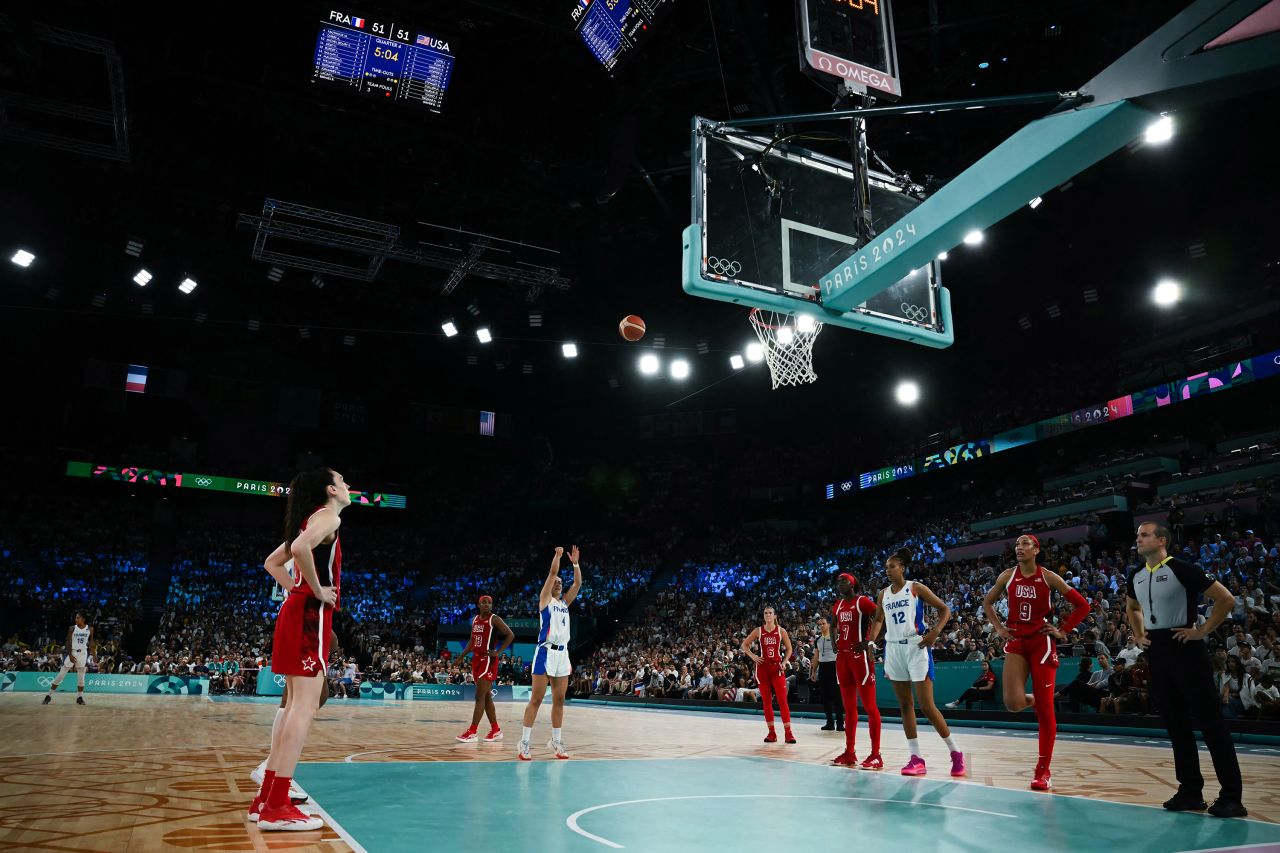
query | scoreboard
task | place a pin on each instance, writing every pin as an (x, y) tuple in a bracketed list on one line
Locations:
[(387, 60), (613, 29), (852, 40)]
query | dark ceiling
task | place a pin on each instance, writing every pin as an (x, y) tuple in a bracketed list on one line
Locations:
[(537, 144)]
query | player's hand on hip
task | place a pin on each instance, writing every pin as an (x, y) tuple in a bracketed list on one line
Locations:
[(1185, 635), (1143, 642), (1002, 631), (327, 596)]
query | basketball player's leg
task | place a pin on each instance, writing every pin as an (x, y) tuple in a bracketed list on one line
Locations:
[(924, 691), (482, 693), (867, 693), (81, 669), (559, 687), (906, 706), (531, 712), (303, 702), (57, 681), (490, 709), (847, 678), (1016, 670), (766, 697), (784, 709)]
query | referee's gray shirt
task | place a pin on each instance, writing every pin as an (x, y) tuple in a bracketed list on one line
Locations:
[(826, 649), (1168, 594)]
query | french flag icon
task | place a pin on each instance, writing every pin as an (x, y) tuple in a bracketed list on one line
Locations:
[(358, 22)]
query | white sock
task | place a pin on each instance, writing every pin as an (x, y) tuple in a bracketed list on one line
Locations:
[(951, 745), (913, 744), (555, 734), (262, 768), (527, 733)]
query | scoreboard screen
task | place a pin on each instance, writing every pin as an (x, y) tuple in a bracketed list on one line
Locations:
[(612, 29), (387, 60), (852, 40)]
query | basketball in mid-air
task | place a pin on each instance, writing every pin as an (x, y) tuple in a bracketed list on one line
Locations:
[(631, 328)]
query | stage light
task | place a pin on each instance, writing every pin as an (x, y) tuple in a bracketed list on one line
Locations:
[(805, 323), (679, 369), (786, 335), (1159, 131), (483, 334), (570, 350), (649, 364), (23, 258), (736, 362), (973, 238), (755, 353), (942, 256), (1167, 292), (907, 393), (1035, 202), (142, 278), (188, 285), (448, 328)]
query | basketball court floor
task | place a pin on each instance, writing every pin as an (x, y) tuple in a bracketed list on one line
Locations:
[(144, 774)]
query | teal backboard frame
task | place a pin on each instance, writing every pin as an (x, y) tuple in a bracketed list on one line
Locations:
[(1211, 51)]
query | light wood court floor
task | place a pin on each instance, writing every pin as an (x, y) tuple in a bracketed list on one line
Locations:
[(148, 773)]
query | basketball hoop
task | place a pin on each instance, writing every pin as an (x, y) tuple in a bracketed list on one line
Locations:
[(788, 345)]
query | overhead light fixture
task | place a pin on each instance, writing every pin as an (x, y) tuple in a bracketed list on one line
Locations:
[(984, 65), (98, 300), (570, 350), (254, 325), (474, 308), (275, 274), (304, 333), (201, 317), (1053, 310), (942, 256), (703, 347), (1167, 292), (679, 369), (318, 281), (483, 334), (736, 362), (133, 247), (755, 353), (1025, 322), (148, 309), (973, 238), (448, 328), (142, 278), (188, 285), (907, 393), (526, 368), (1161, 130), (649, 364), (23, 258), (1035, 202), (535, 319), (1091, 294), (659, 342), (613, 382), (805, 324), (786, 335), (472, 360)]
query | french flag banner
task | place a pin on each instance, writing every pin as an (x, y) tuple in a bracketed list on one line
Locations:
[(136, 379)]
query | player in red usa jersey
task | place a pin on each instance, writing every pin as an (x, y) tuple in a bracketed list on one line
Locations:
[(1031, 648), (856, 668), (484, 667), (299, 648), (775, 651)]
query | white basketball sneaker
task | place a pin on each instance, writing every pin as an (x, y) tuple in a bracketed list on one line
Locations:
[(557, 747), (523, 753)]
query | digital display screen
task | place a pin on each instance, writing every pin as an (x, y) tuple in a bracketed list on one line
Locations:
[(383, 59), (1266, 365), (1209, 382), (1071, 421), (871, 479), (213, 483), (964, 452), (852, 40), (611, 29)]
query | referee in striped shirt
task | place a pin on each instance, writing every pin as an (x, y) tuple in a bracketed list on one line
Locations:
[(1161, 606)]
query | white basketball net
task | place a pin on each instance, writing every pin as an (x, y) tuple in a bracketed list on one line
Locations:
[(787, 340)]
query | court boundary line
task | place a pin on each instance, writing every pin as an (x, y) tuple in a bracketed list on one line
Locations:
[(1275, 844), (572, 820), (355, 846)]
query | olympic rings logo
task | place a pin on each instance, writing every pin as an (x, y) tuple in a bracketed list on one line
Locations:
[(204, 481), (914, 312), (45, 680), (279, 680), (723, 266)]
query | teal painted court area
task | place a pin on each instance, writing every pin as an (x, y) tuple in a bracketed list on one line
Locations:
[(703, 804)]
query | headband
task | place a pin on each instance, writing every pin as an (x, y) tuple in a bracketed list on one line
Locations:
[(1032, 537), (485, 598), (852, 580)]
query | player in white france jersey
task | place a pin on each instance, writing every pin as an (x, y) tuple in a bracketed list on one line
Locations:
[(551, 661), (80, 643)]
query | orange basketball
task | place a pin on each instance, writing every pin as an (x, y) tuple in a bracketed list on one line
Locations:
[(631, 328)]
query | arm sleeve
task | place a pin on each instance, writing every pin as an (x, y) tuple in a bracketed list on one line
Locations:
[(1191, 577), (866, 605), (1081, 605)]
